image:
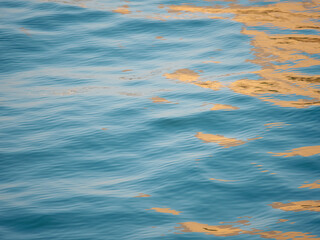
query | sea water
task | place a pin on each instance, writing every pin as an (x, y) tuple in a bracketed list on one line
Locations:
[(159, 119)]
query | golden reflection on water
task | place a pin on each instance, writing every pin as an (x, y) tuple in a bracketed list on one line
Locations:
[(219, 139), (190, 76), (282, 220), (223, 107), (165, 210), (184, 75), (143, 195), (124, 9), (313, 185), (230, 230), (160, 38), (279, 55), (160, 100), (276, 124), (302, 151), (286, 15), (222, 140), (221, 230), (261, 169), (222, 180), (308, 205)]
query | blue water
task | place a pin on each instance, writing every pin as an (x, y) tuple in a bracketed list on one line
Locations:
[(81, 136)]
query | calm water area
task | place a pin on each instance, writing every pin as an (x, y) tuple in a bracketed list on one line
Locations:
[(159, 119)]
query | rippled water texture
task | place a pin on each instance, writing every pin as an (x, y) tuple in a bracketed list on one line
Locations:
[(159, 119)]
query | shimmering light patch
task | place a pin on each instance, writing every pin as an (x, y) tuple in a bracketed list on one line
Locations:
[(280, 55), (189, 76), (184, 75), (230, 230), (276, 124), (300, 103), (277, 54), (303, 151), (159, 100), (282, 220), (295, 16), (223, 107), (166, 210), (309, 205), (222, 180), (213, 85), (219, 139), (123, 10), (261, 87), (279, 235), (260, 168), (221, 230), (143, 195), (313, 185)]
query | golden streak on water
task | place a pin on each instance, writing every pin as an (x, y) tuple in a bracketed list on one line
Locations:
[(223, 107), (282, 220), (160, 100), (190, 76), (123, 10), (302, 151), (165, 210), (222, 140), (222, 180), (143, 195), (222, 230), (313, 185), (276, 53), (277, 124), (219, 139), (308, 205), (230, 230), (184, 75)]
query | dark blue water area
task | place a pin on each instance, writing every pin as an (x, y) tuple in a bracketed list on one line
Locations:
[(81, 136)]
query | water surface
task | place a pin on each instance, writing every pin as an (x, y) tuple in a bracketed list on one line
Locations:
[(159, 119)]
